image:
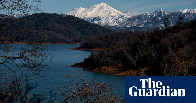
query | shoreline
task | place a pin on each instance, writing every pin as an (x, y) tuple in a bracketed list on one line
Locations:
[(87, 67), (111, 70), (87, 49), (114, 70)]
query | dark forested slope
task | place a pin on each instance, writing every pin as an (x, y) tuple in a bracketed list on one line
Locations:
[(52, 28), (171, 51)]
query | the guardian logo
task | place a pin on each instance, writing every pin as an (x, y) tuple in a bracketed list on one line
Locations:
[(154, 88)]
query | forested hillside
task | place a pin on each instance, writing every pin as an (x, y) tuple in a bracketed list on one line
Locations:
[(51, 28), (160, 52)]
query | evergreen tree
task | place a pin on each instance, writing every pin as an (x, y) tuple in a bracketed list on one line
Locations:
[(166, 22), (180, 21)]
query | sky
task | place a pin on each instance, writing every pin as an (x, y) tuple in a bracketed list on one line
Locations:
[(64, 6)]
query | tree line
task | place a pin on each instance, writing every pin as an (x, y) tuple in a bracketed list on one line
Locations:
[(161, 51), (51, 28)]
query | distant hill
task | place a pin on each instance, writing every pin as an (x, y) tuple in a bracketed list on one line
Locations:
[(51, 28)]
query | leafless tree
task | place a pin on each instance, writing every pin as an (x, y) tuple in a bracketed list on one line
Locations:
[(19, 67)]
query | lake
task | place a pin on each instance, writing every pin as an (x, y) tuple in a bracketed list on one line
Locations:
[(60, 69)]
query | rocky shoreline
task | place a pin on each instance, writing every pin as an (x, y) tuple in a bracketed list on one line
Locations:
[(112, 69), (87, 67)]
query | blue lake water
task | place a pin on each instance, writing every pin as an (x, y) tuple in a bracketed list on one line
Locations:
[(60, 64)]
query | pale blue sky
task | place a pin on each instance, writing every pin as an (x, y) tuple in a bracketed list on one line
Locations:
[(63, 6)]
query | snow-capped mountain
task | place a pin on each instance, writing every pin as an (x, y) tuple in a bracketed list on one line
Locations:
[(101, 14), (97, 10), (149, 21), (105, 15), (188, 11)]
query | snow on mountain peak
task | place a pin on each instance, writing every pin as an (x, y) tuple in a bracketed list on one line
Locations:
[(102, 4), (77, 11), (160, 12), (104, 15), (97, 10), (188, 11)]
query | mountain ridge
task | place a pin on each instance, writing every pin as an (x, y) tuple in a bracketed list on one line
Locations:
[(51, 28), (97, 10), (115, 19)]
